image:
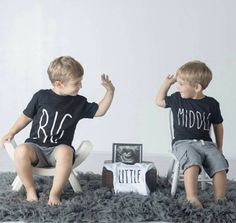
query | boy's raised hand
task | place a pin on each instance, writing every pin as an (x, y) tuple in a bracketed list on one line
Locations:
[(171, 79), (105, 103), (162, 92), (106, 83)]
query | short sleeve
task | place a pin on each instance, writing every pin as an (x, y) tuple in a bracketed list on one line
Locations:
[(90, 109), (216, 113), (169, 100), (31, 108)]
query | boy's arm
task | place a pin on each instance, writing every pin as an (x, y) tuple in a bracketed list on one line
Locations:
[(20, 123), (162, 92), (219, 132), (105, 103)]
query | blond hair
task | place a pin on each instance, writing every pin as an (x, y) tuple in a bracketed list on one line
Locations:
[(64, 68), (195, 72)]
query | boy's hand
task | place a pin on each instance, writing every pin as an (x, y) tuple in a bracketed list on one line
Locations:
[(106, 83), (162, 92), (170, 79), (105, 103), (7, 138)]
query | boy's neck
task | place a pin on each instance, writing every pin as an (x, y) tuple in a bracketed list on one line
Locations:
[(56, 91), (198, 95)]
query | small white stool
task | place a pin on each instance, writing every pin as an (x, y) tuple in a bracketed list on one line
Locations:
[(80, 155), (174, 175)]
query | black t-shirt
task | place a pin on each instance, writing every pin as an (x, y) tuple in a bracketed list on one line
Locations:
[(55, 117), (193, 117)]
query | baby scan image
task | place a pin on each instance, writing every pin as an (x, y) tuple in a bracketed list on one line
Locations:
[(128, 154)]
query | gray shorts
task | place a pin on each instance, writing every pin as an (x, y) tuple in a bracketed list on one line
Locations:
[(46, 155), (200, 153)]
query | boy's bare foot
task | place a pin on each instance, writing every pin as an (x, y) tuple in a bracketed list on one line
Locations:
[(54, 200), (31, 195), (221, 200), (195, 203)]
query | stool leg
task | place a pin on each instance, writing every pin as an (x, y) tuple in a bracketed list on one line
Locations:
[(74, 182), (175, 179), (203, 183), (17, 184), (170, 170)]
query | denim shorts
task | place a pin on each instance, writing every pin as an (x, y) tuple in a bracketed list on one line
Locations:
[(204, 154), (46, 155)]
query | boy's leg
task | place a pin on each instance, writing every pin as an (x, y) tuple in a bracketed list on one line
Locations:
[(216, 166), (190, 158), (24, 157), (191, 184), (220, 185), (64, 158)]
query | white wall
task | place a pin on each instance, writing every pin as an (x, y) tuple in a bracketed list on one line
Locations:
[(136, 42)]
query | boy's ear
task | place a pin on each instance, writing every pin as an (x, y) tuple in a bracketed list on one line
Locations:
[(57, 84), (198, 88)]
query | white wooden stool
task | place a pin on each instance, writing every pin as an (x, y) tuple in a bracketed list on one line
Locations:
[(80, 155)]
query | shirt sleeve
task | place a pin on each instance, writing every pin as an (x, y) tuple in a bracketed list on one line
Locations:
[(90, 109), (216, 113), (31, 108), (170, 100)]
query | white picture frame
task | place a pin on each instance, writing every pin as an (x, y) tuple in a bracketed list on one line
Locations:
[(128, 153)]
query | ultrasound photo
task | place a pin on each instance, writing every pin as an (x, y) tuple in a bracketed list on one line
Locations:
[(127, 153)]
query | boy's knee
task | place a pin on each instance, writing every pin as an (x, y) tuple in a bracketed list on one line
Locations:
[(21, 151), (194, 168), (64, 153), (220, 174)]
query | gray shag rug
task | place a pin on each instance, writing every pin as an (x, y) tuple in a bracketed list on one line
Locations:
[(99, 204)]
